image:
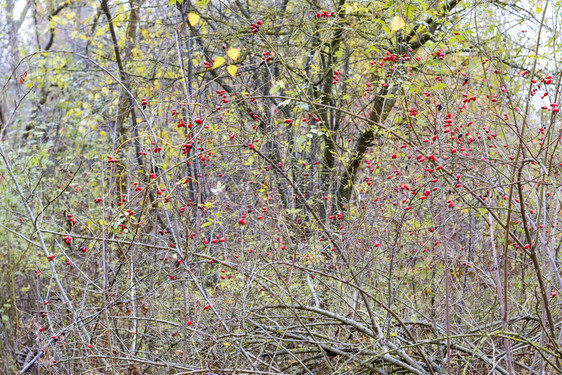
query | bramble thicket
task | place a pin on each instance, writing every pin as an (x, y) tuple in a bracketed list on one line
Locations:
[(280, 187)]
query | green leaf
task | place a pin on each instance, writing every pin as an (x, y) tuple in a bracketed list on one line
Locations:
[(301, 140)]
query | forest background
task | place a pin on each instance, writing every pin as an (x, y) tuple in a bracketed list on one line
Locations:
[(280, 187)]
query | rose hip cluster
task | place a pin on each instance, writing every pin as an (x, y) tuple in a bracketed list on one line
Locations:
[(266, 56), (438, 55), (255, 27), (336, 77), (324, 14)]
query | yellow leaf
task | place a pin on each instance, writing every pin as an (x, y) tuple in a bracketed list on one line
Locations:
[(193, 18), (233, 53), (102, 132), (232, 69), (539, 9), (397, 23), (218, 62)]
